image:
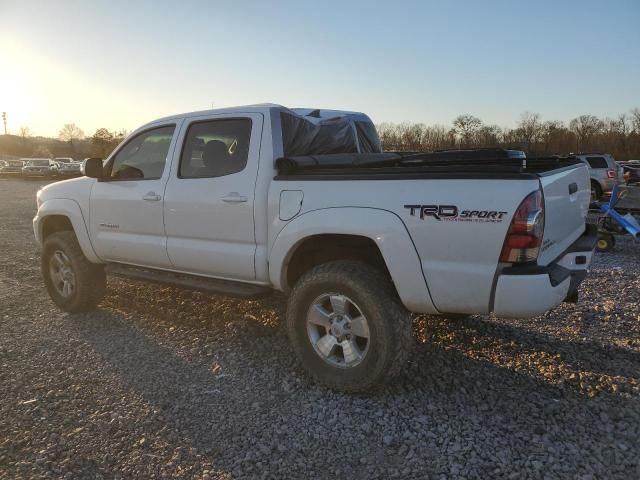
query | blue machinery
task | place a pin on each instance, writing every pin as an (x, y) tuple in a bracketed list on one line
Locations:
[(614, 223)]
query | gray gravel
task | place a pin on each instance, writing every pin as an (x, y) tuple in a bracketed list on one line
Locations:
[(165, 383)]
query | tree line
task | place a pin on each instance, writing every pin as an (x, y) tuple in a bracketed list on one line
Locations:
[(619, 136), (71, 142)]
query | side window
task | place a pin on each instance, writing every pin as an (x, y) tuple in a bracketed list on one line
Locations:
[(215, 148), (597, 162), (144, 156)]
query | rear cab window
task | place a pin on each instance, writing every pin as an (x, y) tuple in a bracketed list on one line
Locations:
[(215, 148)]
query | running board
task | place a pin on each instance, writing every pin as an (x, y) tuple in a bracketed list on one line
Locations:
[(190, 282)]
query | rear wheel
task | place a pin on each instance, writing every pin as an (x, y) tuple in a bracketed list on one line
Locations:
[(347, 326), (73, 282), (605, 243)]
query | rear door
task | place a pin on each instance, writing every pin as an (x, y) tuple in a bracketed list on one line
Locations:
[(209, 200), (567, 194)]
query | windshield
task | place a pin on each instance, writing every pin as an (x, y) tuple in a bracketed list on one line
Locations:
[(39, 163), (63, 160)]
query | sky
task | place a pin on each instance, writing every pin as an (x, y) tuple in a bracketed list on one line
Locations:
[(119, 64)]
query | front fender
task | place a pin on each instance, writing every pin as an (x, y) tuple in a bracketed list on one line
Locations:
[(383, 227), (71, 210)]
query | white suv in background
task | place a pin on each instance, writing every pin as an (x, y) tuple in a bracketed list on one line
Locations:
[(604, 172)]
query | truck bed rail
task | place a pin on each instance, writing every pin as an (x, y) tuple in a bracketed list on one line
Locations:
[(478, 162)]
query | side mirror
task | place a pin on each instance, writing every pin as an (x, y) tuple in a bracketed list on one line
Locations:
[(92, 167)]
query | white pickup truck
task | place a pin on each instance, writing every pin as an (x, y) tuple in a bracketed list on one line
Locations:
[(248, 200)]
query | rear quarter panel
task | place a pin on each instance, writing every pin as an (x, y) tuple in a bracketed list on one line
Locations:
[(458, 255)]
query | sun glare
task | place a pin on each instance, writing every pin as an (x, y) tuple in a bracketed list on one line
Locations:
[(17, 80)]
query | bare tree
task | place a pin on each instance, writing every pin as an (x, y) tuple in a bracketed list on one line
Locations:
[(552, 133), (435, 137), (466, 126), (411, 135), (105, 141), (24, 132), (585, 127), (529, 129), (635, 119), (489, 136), (70, 132)]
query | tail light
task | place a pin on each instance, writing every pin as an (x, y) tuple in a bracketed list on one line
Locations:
[(611, 173), (524, 237)]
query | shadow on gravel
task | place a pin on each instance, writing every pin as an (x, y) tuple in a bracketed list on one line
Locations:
[(264, 412), (585, 355), (585, 368)]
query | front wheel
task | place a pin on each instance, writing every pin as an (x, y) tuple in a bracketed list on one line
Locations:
[(347, 326), (73, 282)]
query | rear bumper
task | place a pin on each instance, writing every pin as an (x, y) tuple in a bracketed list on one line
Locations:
[(529, 290)]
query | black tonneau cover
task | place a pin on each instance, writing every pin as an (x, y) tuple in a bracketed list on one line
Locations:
[(453, 161)]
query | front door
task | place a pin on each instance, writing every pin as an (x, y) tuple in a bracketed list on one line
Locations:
[(209, 199), (126, 217)]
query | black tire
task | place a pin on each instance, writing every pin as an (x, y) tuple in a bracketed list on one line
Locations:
[(90, 279), (390, 324), (596, 191), (605, 243)]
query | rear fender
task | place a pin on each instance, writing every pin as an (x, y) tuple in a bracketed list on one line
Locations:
[(383, 227), (71, 210)]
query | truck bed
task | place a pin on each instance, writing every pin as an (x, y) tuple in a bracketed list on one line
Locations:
[(463, 247)]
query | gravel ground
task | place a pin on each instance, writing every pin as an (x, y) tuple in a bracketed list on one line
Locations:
[(165, 383)]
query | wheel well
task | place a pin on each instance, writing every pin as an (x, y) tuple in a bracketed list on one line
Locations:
[(320, 249), (55, 223)]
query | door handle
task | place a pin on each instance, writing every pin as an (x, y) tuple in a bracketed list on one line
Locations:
[(152, 197), (234, 197)]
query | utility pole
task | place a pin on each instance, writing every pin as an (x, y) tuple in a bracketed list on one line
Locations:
[(4, 120)]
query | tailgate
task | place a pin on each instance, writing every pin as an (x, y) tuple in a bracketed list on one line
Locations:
[(566, 200)]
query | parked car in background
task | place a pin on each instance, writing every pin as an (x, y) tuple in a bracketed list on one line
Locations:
[(604, 172), (68, 166), (43, 167), (11, 167), (631, 171)]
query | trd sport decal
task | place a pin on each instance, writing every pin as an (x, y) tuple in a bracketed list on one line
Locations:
[(451, 213)]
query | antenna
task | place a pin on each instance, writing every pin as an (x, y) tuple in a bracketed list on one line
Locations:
[(4, 120)]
